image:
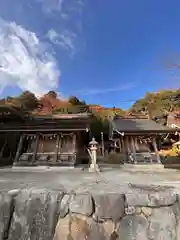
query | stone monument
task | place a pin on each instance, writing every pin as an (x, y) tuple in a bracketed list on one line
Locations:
[(93, 154)]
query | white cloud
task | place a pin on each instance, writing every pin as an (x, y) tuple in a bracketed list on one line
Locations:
[(25, 61), (51, 5), (65, 39), (67, 34), (106, 90), (61, 6)]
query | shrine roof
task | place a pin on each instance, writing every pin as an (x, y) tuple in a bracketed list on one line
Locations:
[(62, 116), (135, 125), (11, 111), (30, 123)]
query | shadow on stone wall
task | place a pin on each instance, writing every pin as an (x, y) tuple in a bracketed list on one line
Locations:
[(147, 212)]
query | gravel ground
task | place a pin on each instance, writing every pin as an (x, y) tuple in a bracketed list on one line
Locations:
[(75, 180)]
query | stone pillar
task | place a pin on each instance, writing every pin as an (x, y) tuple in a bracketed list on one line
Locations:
[(156, 150), (93, 153)]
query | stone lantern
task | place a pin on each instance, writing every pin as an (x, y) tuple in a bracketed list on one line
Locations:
[(93, 148)]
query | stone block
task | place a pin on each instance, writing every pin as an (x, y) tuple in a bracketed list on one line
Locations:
[(62, 229), (6, 210), (178, 232), (133, 227), (109, 227), (81, 204), (131, 210), (14, 192), (35, 215), (64, 205), (77, 228), (43, 158), (137, 199), (97, 232), (110, 206), (151, 198), (162, 224), (162, 198), (176, 210), (24, 157), (146, 211)]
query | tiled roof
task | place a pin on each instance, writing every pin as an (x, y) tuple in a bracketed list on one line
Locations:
[(12, 111), (138, 125)]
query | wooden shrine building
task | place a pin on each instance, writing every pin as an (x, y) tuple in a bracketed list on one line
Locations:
[(135, 139), (46, 140)]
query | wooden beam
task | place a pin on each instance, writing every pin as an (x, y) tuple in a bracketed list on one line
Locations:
[(19, 149), (156, 150), (9, 129), (35, 149)]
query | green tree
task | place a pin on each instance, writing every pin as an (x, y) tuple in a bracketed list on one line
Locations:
[(27, 101), (158, 105), (52, 94), (74, 100)]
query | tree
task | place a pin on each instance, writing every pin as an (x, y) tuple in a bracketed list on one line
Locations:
[(27, 101), (52, 94), (158, 105), (74, 100)]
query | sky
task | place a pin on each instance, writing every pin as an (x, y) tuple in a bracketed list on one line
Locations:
[(105, 52)]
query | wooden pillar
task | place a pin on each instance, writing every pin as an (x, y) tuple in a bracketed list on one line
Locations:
[(122, 142), (74, 147), (156, 150), (120, 147), (127, 143), (74, 142), (136, 143), (19, 149), (2, 149), (57, 146), (133, 149), (126, 148), (35, 149), (102, 143)]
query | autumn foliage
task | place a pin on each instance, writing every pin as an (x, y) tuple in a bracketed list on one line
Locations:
[(156, 106)]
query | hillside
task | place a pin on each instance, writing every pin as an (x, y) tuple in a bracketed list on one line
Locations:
[(156, 105)]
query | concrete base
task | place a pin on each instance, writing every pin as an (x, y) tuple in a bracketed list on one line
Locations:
[(44, 164), (143, 167), (41, 168), (94, 168)]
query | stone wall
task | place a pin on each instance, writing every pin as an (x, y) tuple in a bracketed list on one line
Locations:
[(145, 213)]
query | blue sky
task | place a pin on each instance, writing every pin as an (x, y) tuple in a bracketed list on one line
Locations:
[(105, 52)]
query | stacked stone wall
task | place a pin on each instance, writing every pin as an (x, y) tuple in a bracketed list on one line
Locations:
[(146, 213)]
